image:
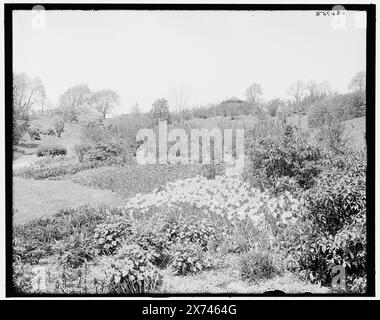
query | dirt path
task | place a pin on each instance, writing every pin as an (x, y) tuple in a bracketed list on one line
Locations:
[(24, 161), (36, 198)]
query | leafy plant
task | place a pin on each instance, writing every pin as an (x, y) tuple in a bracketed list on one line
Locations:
[(109, 234), (51, 150), (130, 271), (59, 126), (34, 133), (256, 265), (188, 258), (48, 132), (210, 171), (289, 156)]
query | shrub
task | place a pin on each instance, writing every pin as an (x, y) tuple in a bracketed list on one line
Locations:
[(335, 228), (53, 150), (187, 230), (256, 265), (160, 111), (332, 136), (342, 107), (59, 126), (107, 145), (337, 197), (101, 153), (288, 156), (51, 171), (188, 258), (22, 277), (74, 250), (210, 171), (130, 271), (49, 132), (20, 126), (34, 133), (152, 236), (109, 234)]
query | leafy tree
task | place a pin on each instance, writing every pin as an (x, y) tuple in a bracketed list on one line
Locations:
[(72, 99), (358, 82), (104, 101), (160, 111)]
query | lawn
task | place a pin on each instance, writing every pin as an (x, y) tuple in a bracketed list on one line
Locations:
[(33, 199)]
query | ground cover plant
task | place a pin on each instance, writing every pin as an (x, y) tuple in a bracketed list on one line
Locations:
[(132, 179), (51, 168)]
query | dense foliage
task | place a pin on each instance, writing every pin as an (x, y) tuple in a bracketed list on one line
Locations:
[(51, 150), (289, 156)]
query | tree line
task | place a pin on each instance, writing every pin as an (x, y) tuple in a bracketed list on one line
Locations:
[(29, 94)]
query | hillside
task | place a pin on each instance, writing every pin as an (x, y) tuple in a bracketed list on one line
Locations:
[(26, 150)]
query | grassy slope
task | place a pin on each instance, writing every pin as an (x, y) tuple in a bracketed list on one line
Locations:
[(32, 198), (355, 132)]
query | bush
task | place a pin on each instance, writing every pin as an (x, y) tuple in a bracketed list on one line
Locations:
[(335, 228), (34, 133), (256, 265), (130, 271), (289, 156), (111, 233), (74, 250), (51, 171), (337, 107), (59, 126), (337, 197), (49, 132), (107, 145), (160, 111), (22, 277), (331, 135), (188, 258), (210, 171), (101, 153), (53, 150), (19, 128)]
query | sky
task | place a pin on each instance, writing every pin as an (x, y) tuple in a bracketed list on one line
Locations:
[(207, 55)]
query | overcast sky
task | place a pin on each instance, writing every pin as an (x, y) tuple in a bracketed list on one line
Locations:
[(212, 55)]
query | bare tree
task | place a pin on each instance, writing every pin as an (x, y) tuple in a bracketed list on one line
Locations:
[(135, 110), (27, 92), (181, 99), (254, 93), (72, 99), (358, 82), (297, 91), (104, 101), (316, 90)]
